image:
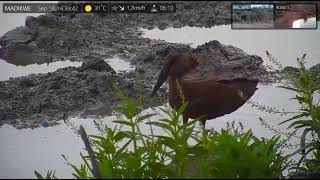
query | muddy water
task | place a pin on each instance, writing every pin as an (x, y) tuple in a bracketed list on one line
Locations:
[(8, 70), (119, 65)]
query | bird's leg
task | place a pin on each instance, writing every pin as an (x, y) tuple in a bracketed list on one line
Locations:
[(203, 123), (185, 119)]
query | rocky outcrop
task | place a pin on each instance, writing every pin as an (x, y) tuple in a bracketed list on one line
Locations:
[(41, 40), (315, 71), (228, 61)]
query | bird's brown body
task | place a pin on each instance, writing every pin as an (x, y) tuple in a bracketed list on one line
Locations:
[(209, 97)]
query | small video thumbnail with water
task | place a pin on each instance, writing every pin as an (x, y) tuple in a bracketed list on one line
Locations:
[(300, 16), (252, 16)]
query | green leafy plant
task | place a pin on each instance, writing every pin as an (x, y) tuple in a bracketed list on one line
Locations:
[(50, 175), (181, 151), (307, 119), (237, 155)]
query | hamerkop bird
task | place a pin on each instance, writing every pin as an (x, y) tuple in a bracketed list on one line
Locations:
[(210, 93)]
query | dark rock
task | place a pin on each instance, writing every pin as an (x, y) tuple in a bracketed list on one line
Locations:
[(228, 61), (31, 22), (305, 175), (98, 65), (315, 71), (55, 85), (18, 35), (18, 48), (45, 123), (42, 21), (26, 83), (291, 69), (163, 25), (49, 21)]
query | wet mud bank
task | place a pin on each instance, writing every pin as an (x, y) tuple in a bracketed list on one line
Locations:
[(44, 99), (50, 37)]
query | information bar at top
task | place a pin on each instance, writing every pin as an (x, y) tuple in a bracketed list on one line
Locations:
[(89, 8)]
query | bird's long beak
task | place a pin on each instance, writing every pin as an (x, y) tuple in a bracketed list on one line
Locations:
[(162, 78)]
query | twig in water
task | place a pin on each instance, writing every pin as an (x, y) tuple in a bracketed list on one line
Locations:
[(95, 171)]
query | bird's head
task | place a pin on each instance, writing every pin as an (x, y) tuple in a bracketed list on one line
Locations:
[(176, 66)]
